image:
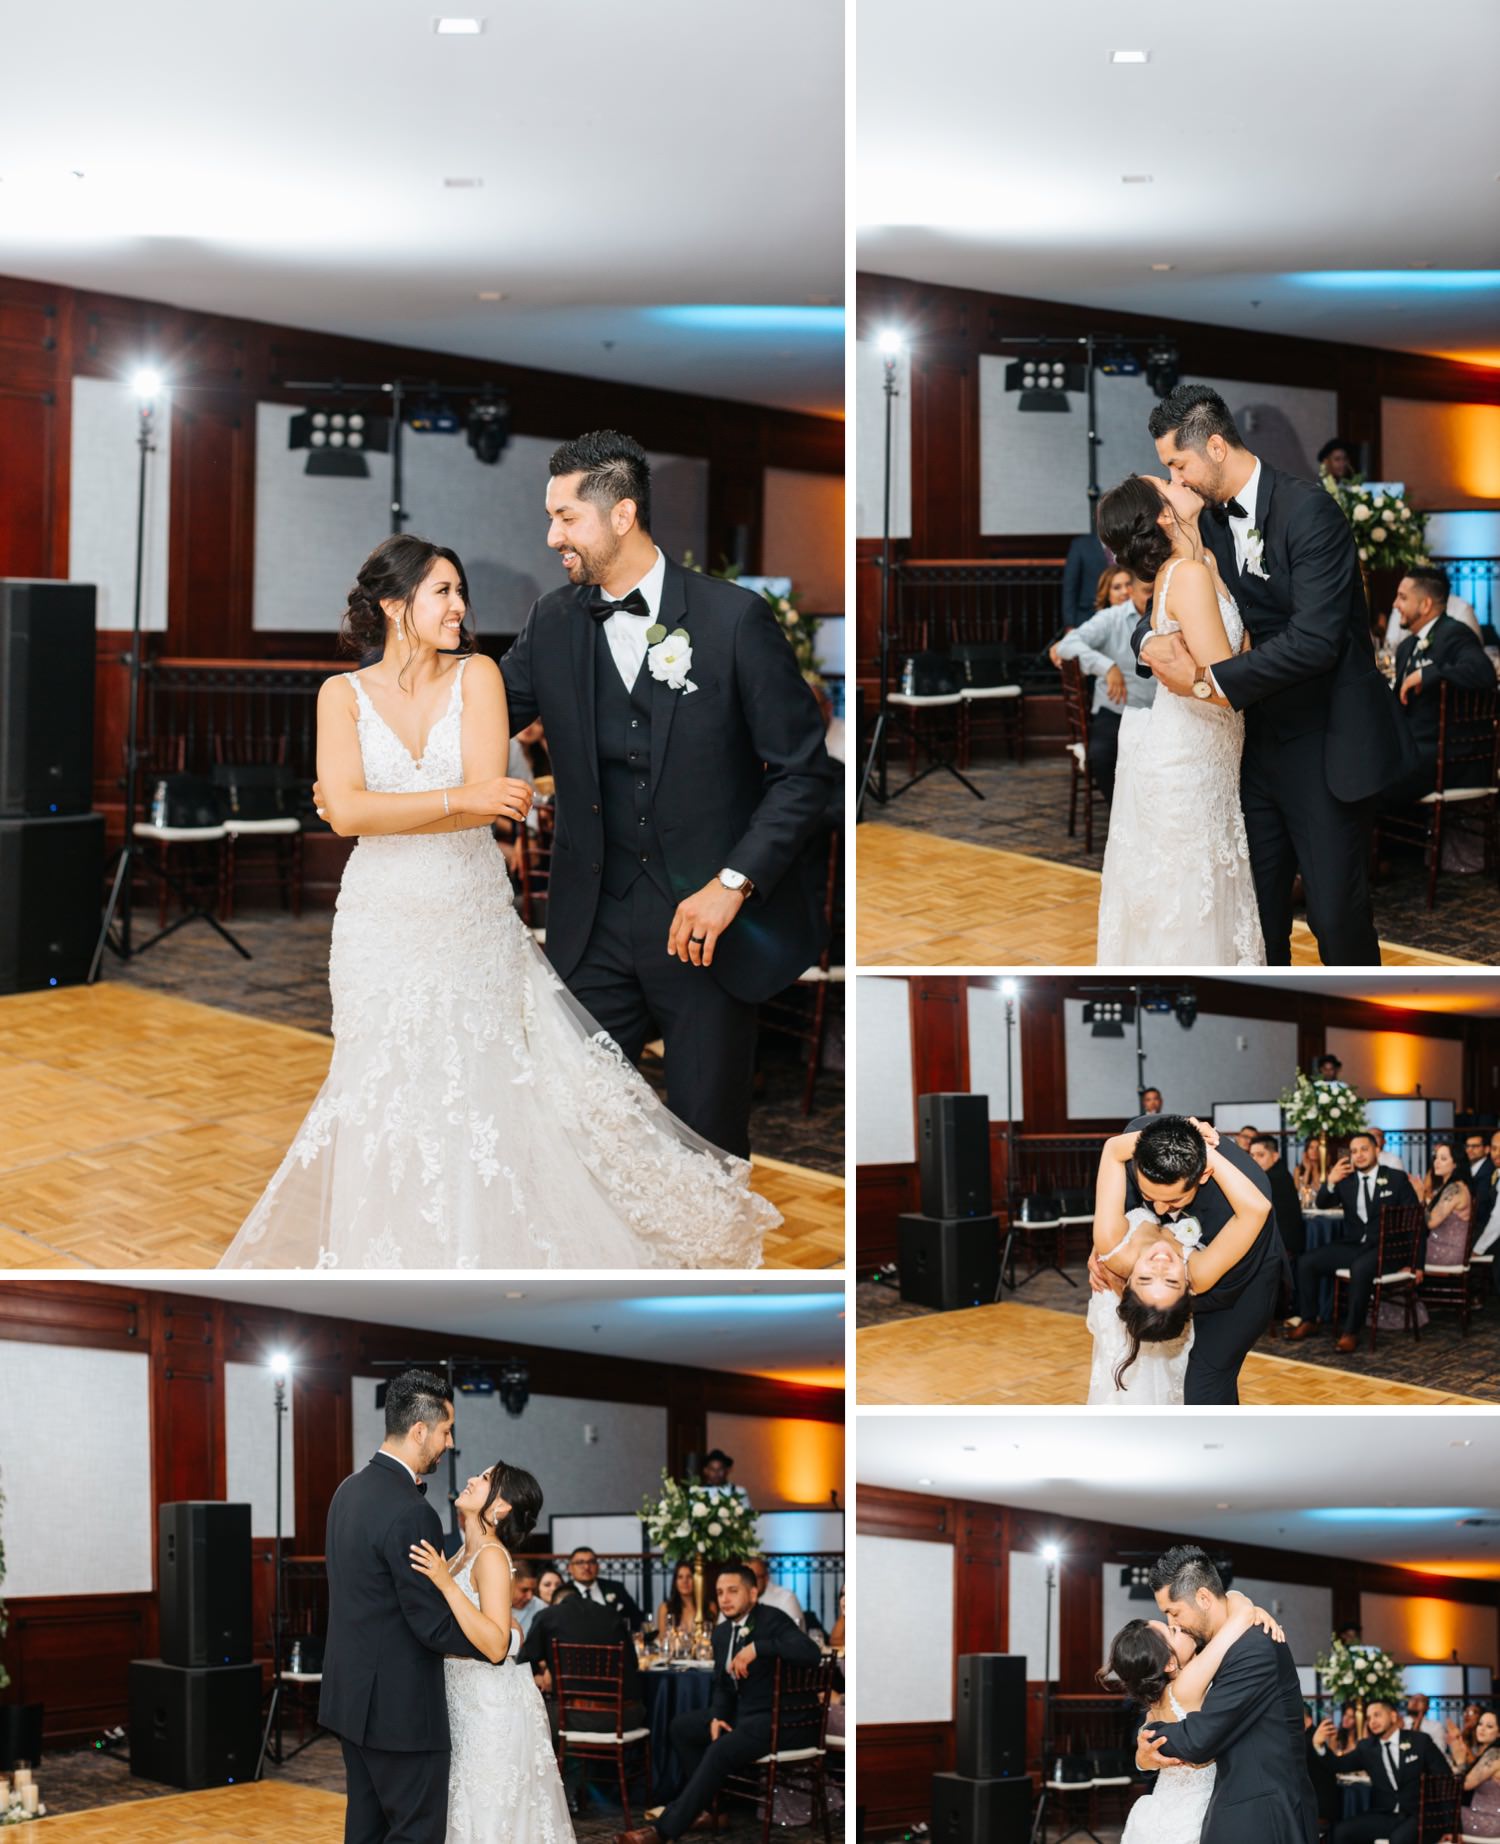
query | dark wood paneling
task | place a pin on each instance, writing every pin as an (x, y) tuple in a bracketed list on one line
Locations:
[(881, 1194), (896, 1762), (71, 1652), (28, 450)]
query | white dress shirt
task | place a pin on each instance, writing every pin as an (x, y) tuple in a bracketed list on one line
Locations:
[(402, 1464), (626, 634), (1241, 527), (1104, 641), (774, 1595)]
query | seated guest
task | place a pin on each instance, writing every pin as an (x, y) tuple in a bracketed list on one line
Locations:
[(772, 1594), (678, 1613), (1322, 1765), (1246, 1137), (836, 1637), (735, 1730), (1481, 1812), (1151, 1101), (1391, 1161), (1265, 1150), (1436, 648), (1363, 1188), (1448, 1193), (583, 1568), (572, 1620), (1101, 645), (1395, 1762), (1462, 1743), (1457, 610), (524, 1606), (548, 1581), (1086, 558), (1417, 1718), (1347, 1738), (1476, 1154), (1486, 1190), (1308, 1166)]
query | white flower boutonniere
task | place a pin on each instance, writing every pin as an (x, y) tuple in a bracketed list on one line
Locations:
[(1255, 553), (1189, 1233), (670, 657)]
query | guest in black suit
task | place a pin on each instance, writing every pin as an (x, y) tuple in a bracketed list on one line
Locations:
[(683, 890), (1363, 1187), (383, 1692), (1250, 1723), (1322, 734), (1396, 1761), (1322, 1765), (1085, 562), (575, 1621), (1437, 649), (735, 1729), (583, 1570), (1476, 1154), (1286, 1207)]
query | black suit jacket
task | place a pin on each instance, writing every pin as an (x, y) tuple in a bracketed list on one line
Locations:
[(1086, 561), (1311, 666), (1420, 1755), (623, 1600), (1251, 1726), (1286, 1207), (740, 776), (582, 1623), (1391, 1187), (1454, 653), (388, 1627), (774, 1635)]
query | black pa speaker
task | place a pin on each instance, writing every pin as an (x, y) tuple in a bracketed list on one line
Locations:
[(203, 1563), (46, 698), (194, 1728), (966, 1811), (948, 1262), (955, 1154), (991, 1714), (51, 872)]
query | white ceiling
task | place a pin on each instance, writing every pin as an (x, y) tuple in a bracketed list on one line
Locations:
[(759, 1327), (1278, 1474), (286, 163), (1282, 138)]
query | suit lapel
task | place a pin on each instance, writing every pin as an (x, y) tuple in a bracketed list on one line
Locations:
[(664, 700), (583, 644)]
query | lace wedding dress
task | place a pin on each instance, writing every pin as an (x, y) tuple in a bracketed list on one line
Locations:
[(1177, 889), (503, 1783), (474, 1115), (1176, 1808), (1157, 1376)]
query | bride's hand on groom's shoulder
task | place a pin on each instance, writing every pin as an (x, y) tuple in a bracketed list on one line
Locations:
[(1121, 1146), (430, 1562), (1101, 1279), (1210, 1133)]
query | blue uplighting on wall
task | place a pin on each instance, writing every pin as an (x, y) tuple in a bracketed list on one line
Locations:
[(723, 317), (721, 1304), (1397, 1514), (1396, 281)]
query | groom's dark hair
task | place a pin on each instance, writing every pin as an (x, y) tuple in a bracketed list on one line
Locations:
[(1170, 1150), (1196, 412), (1184, 1570), (613, 467), (415, 1395)]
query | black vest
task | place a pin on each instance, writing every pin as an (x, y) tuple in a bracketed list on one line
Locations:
[(622, 721)]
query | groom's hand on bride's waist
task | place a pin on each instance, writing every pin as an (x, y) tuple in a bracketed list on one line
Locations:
[(700, 920), (1151, 1752), (1174, 667)]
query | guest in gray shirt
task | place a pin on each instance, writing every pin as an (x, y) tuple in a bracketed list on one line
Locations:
[(1102, 648)]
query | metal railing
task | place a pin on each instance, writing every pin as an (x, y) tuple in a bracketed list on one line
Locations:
[(941, 603), (1475, 579), (201, 711)]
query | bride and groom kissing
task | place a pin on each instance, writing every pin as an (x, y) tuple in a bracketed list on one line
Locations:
[(1186, 1264), (1225, 1733), (1272, 731), (483, 1108)]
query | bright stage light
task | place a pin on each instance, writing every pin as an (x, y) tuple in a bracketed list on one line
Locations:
[(1009, 989), (1050, 1552), (147, 384), (890, 342), (281, 1364)]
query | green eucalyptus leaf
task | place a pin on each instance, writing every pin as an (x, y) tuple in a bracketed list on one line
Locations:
[(655, 634)]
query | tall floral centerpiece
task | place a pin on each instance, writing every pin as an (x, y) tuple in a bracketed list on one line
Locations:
[(800, 629), (1317, 1109), (691, 1522), (1388, 534), (1359, 1675)]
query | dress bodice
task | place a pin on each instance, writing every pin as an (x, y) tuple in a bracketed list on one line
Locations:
[(390, 767), (1178, 1804), (1229, 610)]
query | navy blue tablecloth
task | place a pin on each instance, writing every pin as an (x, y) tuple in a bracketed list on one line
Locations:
[(666, 1694)]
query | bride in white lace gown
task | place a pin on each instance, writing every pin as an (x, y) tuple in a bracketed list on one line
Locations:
[(503, 1783), (474, 1115), (1157, 1666), (1177, 889)]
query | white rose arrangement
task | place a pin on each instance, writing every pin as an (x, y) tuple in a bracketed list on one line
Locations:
[(688, 1519)]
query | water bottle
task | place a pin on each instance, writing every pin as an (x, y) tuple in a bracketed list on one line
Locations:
[(296, 1660)]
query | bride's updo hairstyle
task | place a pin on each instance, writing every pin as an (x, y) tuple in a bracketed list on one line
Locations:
[(393, 572), (1139, 1664), (1128, 526), (524, 1496)]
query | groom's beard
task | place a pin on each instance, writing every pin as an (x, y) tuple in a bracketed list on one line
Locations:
[(594, 565)]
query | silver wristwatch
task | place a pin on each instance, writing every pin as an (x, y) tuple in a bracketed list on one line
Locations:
[(737, 880)]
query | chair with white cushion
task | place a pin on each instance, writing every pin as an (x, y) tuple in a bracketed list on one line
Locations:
[(1402, 1228), (1075, 697), (991, 699), (1468, 783), (1452, 1285), (797, 1758), (589, 1683)]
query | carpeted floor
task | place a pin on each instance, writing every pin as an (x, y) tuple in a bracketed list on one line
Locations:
[(83, 1781), (286, 982), (1025, 809), (1442, 1358)]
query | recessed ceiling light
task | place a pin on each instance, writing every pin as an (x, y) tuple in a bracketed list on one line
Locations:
[(1460, 1443), (1212, 1446), (489, 294), (924, 1482), (1130, 57), (515, 1296), (971, 1450), (1162, 268), (1135, 179), (1223, 1507), (462, 184), (457, 28)]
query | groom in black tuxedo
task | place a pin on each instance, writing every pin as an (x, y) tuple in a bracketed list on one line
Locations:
[(1323, 735), (1250, 1723), (1169, 1173), (383, 1692), (691, 779)]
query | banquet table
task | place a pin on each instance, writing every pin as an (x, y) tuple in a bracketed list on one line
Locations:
[(666, 1691), (1355, 1789)]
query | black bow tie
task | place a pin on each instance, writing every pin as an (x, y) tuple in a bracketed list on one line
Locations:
[(601, 607), (1232, 509), (422, 1487)]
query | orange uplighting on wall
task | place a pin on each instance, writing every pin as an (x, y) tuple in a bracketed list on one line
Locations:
[(1491, 359), (1477, 435), (807, 1459), (1448, 454), (1427, 1629), (828, 1376), (1398, 1061)]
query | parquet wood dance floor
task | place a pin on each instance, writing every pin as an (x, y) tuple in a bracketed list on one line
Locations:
[(1033, 1354), (137, 1130), (221, 1815), (926, 901)]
